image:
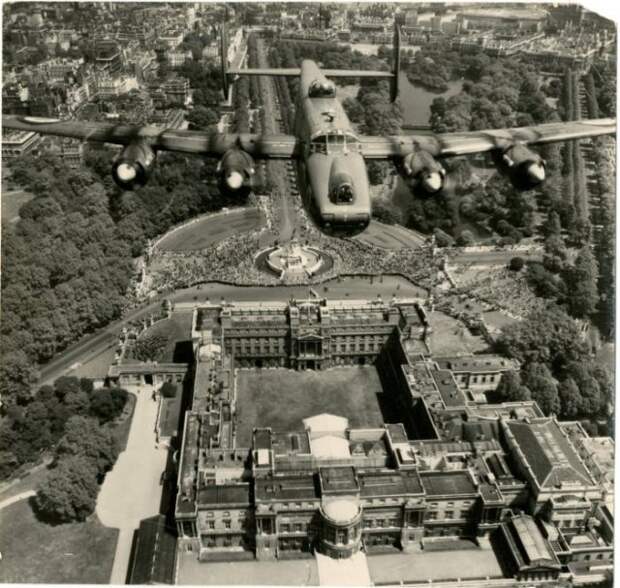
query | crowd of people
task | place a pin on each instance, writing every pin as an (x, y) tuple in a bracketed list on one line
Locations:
[(505, 289), (234, 260)]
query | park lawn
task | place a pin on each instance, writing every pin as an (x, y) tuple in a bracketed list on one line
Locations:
[(281, 398), (35, 552), (169, 414), (450, 336), (12, 201), (98, 365)]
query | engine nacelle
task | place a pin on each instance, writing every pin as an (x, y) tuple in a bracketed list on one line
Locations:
[(524, 168), (133, 168), (235, 171), (423, 172)]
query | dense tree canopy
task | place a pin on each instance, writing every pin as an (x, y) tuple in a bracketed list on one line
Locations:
[(70, 491)]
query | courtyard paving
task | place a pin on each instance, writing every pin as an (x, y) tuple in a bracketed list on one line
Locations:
[(293, 572), (131, 491), (434, 565)]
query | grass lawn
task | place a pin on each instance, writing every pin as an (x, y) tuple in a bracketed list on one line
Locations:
[(35, 552), (211, 229), (96, 366), (12, 201), (451, 337), (169, 414), (280, 398), (178, 329)]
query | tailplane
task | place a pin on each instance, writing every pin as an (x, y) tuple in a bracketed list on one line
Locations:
[(228, 75)]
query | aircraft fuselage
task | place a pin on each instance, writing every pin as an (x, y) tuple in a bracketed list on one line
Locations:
[(332, 172)]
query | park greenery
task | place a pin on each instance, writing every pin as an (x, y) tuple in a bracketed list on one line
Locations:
[(43, 421), (557, 368), (149, 347), (67, 263)]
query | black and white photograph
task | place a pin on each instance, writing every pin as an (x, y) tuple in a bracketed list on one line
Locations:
[(308, 294)]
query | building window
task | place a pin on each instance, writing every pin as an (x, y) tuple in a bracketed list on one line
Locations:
[(227, 524), (211, 524), (284, 528)]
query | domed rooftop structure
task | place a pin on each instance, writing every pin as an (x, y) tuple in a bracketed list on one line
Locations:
[(341, 511)]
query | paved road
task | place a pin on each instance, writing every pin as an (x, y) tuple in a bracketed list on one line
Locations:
[(16, 498), (131, 490), (276, 170)]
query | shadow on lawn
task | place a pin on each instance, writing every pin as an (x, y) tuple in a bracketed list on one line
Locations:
[(45, 517)]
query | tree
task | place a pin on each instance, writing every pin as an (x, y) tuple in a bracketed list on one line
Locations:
[(570, 398), (538, 378), (69, 493), (169, 390), (465, 238), (516, 264), (511, 389), (582, 297), (107, 404), (547, 335), (201, 118), (86, 438)]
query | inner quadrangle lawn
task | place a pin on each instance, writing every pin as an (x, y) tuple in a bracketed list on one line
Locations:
[(281, 399), (35, 552)]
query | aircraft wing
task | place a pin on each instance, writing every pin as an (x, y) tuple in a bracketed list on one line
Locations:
[(264, 146), (452, 144)]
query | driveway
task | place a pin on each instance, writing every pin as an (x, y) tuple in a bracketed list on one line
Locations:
[(131, 490)]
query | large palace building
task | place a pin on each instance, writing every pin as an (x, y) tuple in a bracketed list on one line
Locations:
[(440, 462)]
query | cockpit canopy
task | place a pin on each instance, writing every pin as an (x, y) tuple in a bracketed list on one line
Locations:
[(335, 142), (341, 187), (322, 89), (343, 194)]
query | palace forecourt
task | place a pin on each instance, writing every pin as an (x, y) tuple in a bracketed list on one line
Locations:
[(328, 431)]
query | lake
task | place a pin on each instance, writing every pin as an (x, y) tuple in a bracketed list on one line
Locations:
[(416, 101)]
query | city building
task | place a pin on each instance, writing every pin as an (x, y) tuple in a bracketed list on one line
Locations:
[(176, 91), (108, 58), (18, 143), (525, 19), (449, 465)]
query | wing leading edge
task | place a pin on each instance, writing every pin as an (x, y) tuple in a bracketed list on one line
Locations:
[(266, 146), (453, 144)]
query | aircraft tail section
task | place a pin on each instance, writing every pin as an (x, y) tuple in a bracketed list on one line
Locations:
[(228, 75)]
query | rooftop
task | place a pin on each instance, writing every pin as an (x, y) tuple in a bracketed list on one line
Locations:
[(447, 483), (476, 363), (338, 480), (450, 393), (548, 453), (389, 484), (286, 488), (221, 494), (532, 548)]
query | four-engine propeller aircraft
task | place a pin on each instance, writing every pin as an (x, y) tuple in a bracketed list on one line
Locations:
[(331, 156)]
